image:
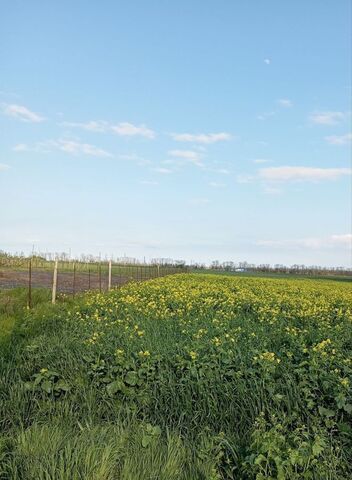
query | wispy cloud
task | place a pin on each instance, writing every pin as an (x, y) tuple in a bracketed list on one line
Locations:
[(222, 171), (245, 178), (188, 155), (271, 190), (164, 171), (126, 129), (92, 126), (141, 161), (20, 147), (327, 118), (294, 174), (265, 115), (204, 138), (267, 61), (123, 129), (345, 239), (332, 241), (217, 185), (285, 102), (3, 166), (78, 148), (261, 160), (148, 182), (70, 147), (339, 139), (22, 113)]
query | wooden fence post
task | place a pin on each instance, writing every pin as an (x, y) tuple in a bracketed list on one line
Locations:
[(74, 279), (109, 283), (30, 284), (53, 296)]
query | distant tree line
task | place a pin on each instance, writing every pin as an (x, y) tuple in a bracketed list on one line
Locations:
[(276, 268), (17, 259)]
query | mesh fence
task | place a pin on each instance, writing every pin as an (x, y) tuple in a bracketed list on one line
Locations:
[(76, 277)]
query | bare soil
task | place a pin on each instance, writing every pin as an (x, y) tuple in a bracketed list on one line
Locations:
[(65, 280)]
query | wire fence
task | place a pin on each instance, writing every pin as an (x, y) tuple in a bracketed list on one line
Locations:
[(73, 277)]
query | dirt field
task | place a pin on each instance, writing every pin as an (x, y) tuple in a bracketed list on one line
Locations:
[(42, 278)]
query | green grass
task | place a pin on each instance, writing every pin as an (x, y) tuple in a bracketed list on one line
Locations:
[(73, 407), (13, 307)]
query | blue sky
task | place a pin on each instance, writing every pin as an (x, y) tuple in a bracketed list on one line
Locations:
[(192, 129)]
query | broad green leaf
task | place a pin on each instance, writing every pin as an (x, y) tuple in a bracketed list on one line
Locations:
[(146, 439), (131, 379), (47, 386), (113, 387)]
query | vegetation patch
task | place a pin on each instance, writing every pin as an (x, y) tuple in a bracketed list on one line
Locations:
[(183, 377)]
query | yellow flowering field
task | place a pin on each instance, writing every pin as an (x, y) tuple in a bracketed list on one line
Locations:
[(265, 361), (204, 377)]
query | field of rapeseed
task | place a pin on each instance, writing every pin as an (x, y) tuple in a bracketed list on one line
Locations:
[(184, 377)]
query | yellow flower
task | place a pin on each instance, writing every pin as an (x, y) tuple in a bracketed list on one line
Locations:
[(269, 357), (146, 353), (193, 355), (345, 382), (322, 345), (216, 341)]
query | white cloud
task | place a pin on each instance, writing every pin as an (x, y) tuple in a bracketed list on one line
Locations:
[(244, 178), (223, 171), (68, 146), (339, 139), (326, 118), (310, 174), (20, 147), (92, 126), (267, 61), (217, 185), (261, 160), (3, 166), (285, 102), (332, 241), (189, 155), (133, 157), (345, 239), (126, 129), (78, 148), (270, 190), (22, 113), (205, 138), (164, 171), (148, 182), (264, 116)]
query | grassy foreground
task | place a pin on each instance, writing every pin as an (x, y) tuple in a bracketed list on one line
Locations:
[(185, 377)]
